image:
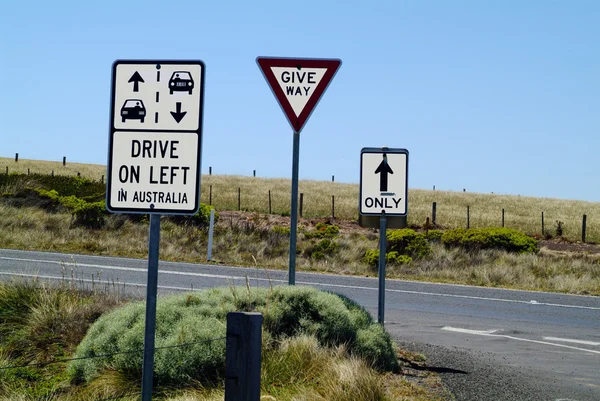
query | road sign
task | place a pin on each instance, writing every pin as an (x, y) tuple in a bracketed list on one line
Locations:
[(383, 181), (155, 136), (298, 84)]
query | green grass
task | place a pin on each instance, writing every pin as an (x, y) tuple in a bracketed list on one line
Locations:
[(295, 367)]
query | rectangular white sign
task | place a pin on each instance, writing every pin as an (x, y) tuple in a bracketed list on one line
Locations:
[(383, 181), (155, 137), (154, 170)]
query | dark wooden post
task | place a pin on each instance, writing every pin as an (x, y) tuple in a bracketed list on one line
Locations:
[(433, 212), (16, 157), (301, 203), (64, 160), (52, 173), (468, 218), (102, 179), (543, 232), (28, 172), (434, 187), (333, 178), (502, 217), (254, 173), (583, 228), (209, 170), (243, 356), (333, 206), (269, 201), (239, 198)]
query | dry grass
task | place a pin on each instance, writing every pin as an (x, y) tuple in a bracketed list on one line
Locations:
[(91, 171), (522, 213)]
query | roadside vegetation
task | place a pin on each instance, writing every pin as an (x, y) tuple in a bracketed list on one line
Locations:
[(66, 214), (316, 346)]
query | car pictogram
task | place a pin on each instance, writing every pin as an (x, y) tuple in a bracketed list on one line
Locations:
[(133, 109), (181, 81)]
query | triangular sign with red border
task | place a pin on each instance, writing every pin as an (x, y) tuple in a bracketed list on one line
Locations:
[(298, 84)]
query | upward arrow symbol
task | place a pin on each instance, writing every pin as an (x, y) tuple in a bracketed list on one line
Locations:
[(383, 169), (136, 78)]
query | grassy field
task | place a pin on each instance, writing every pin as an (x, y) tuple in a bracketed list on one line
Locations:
[(254, 238), (522, 213)]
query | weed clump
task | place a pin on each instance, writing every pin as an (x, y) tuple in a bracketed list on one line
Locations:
[(506, 239)]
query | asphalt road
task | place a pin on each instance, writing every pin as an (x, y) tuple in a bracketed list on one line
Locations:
[(488, 344)]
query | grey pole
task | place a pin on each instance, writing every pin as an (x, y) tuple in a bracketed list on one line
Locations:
[(382, 246), (294, 211), (153, 247), (210, 234)]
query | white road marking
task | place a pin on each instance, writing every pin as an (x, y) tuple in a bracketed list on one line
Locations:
[(484, 333), (570, 340), (467, 331), (229, 277)]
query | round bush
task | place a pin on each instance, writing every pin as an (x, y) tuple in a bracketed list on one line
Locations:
[(408, 242), (490, 238), (196, 317)]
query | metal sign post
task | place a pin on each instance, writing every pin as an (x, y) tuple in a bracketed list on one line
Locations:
[(381, 270), (294, 211), (383, 201), (151, 289), (155, 142), (297, 84)]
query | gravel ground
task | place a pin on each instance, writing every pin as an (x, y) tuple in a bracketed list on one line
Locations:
[(479, 376)]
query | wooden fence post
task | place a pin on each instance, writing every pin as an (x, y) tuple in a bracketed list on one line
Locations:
[(52, 172), (333, 178), (28, 172), (301, 203), (64, 160), (502, 217), (468, 218), (254, 173), (433, 212), (243, 356), (102, 179), (269, 201), (16, 157), (332, 207), (239, 198), (583, 228), (543, 232), (209, 170)]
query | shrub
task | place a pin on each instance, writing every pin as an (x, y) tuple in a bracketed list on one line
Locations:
[(395, 258), (184, 318), (90, 215), (507, 239), (434, 235), (372, 258), (200, 219), (323, 230), (407, 242), (281, 230)]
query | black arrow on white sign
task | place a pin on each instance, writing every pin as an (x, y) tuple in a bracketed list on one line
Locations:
[(136, 78), (178, 114), (383, 169)]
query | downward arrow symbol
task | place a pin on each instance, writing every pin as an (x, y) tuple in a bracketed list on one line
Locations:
[(178, 114)]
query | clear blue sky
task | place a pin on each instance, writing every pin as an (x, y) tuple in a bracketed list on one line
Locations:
[(491, 96)]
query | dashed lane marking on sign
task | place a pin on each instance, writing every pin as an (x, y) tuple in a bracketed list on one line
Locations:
[(493, 334), (231, 277)]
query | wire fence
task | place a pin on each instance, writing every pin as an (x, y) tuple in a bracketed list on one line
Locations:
[(108, 355)]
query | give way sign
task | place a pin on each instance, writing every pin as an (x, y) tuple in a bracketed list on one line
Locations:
[(298, 84)]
